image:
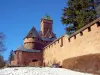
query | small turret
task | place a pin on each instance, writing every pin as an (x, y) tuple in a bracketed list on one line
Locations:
[(30, 41)]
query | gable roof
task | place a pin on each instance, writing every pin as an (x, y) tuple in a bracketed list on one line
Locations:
[(32, 33), (50, 34)]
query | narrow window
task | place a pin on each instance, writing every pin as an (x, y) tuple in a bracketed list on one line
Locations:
[(61, 42)]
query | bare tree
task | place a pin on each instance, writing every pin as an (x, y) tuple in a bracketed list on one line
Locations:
[(2, 46), (2, 49)]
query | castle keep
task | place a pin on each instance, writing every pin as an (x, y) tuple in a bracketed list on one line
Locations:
[(42, 48)]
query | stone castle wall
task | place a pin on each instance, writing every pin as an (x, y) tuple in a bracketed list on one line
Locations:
[(25, 58), (30, 57), (83, 42)]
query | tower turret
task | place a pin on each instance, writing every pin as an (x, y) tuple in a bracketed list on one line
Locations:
[(30, 41)]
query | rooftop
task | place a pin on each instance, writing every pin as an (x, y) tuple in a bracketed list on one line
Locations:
[(21, 48), (47, 17), (32, 33)]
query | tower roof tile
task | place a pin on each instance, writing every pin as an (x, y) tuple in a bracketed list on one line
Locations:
[(32, 33)]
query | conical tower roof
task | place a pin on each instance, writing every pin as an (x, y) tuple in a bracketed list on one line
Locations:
[(32, 33)]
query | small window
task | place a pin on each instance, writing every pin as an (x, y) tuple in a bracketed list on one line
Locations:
[(89, 29), (81, 33), (34, 60), (61, 42)]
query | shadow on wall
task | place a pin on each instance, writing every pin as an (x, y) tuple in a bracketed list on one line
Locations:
[(87, 63), (35, 63)]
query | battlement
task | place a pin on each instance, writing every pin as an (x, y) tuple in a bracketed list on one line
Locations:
[(87, 28), (82, 42)]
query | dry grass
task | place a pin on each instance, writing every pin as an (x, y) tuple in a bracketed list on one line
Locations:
[(87, 63)]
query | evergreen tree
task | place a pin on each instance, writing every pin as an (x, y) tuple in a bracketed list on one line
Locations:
[(11, 56), (98, 11), (77, 14)]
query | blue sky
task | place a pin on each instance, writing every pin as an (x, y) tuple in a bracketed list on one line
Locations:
[(18, 16)]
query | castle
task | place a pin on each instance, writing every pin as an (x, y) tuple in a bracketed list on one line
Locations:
[(42, 48), (34, 42)]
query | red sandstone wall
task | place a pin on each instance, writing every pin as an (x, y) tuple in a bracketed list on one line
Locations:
[(61, 49), (28, 57), (25, 58), (17, 58)]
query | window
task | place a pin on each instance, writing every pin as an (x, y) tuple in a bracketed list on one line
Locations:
[(34, 60), (61, 42)]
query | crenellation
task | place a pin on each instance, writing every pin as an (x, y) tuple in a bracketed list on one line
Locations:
[(89, 29), (81, 33), (69, 39), (82, 42), (98, 24), (74, 36)]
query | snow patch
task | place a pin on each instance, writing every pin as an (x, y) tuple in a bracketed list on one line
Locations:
[(38, 71)]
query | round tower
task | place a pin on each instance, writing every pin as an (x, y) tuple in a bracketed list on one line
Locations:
[(32, 39)]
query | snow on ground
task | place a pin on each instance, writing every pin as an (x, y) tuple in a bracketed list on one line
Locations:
[(38, 71)]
